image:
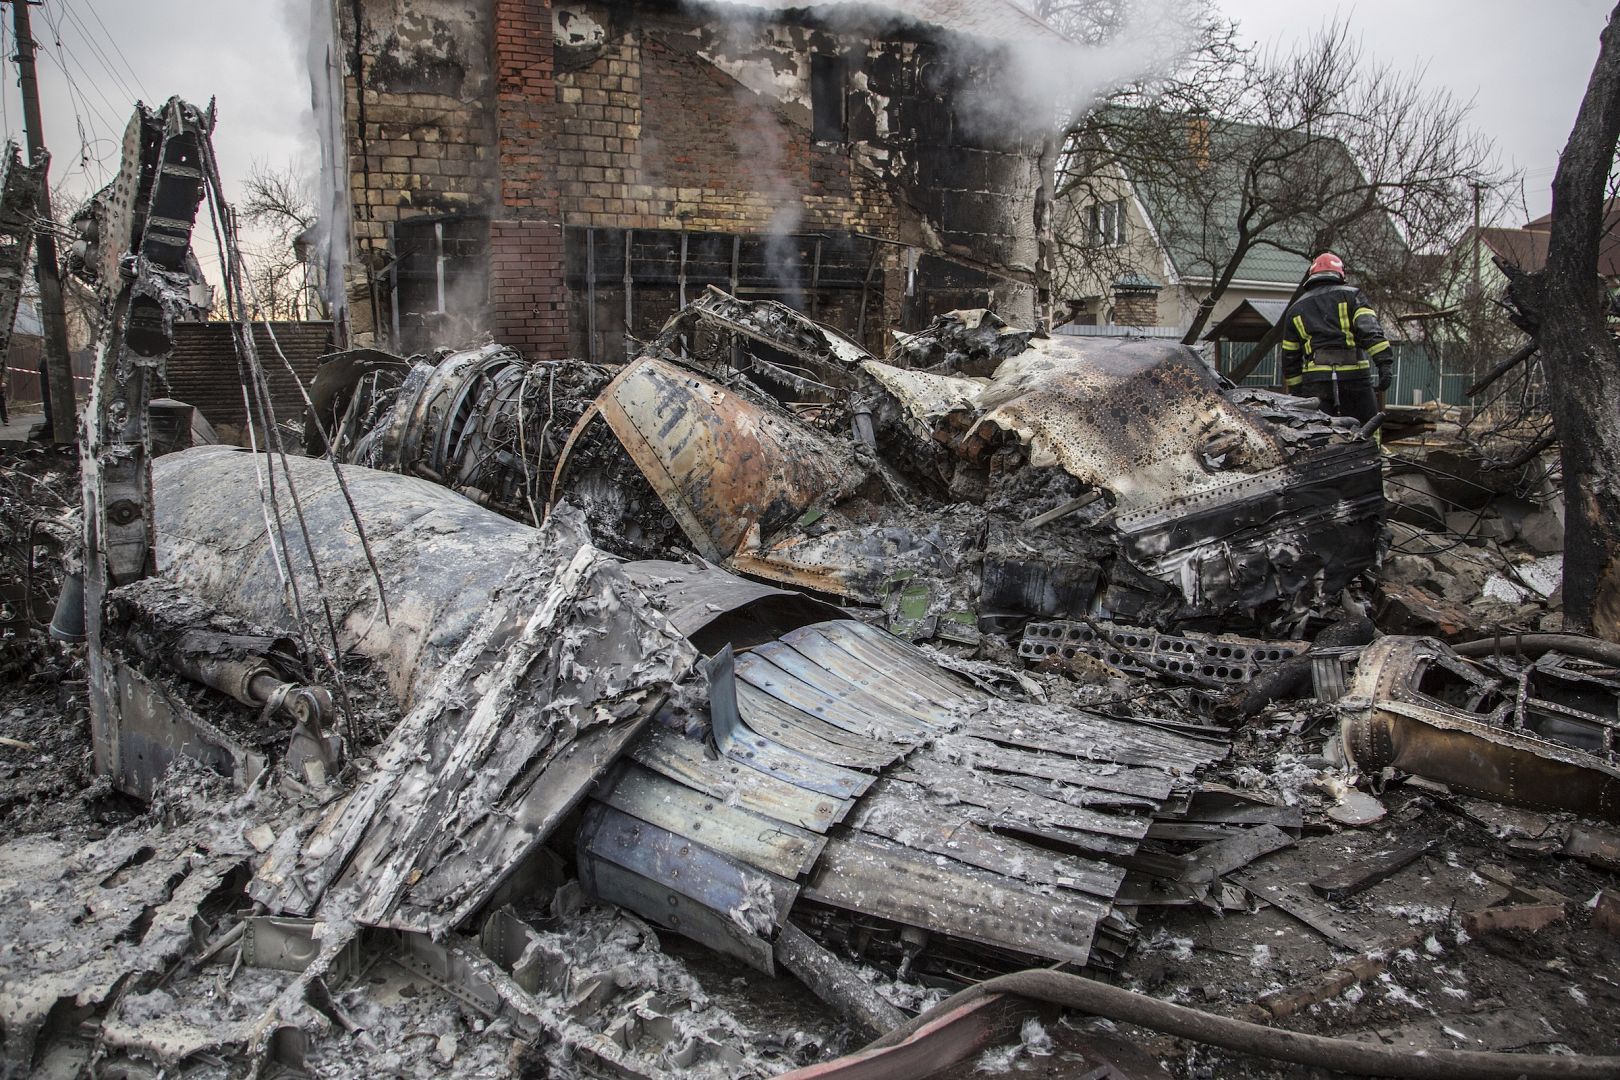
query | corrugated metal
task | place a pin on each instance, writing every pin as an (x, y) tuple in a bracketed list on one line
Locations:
[(989, 821), (1075, 330), (202, 370)]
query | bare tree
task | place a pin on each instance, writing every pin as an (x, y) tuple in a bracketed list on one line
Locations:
[(279, 210), (1566, 304), (1321, 147), (1205, 67)]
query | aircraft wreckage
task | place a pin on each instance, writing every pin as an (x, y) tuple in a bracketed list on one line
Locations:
[(979, 477), (593, 674)]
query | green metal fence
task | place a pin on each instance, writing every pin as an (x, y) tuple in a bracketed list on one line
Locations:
[(1421, 373)]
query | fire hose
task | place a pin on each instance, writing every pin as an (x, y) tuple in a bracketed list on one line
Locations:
[(1257, 1040)]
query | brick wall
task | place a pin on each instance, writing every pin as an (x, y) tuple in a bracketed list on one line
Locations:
[(652, 136), (420, 133), (1136, 307), (528, 303), (645, 123)]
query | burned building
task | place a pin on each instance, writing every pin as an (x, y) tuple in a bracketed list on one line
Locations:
[(564, 176)]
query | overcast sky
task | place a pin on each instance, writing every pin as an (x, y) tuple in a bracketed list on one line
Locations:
[(1524, 62)]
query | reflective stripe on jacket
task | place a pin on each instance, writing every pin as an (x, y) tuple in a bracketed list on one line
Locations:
[(1331, 333)]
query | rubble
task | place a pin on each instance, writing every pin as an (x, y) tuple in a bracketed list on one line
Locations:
[(551, 716), (1019, 476)]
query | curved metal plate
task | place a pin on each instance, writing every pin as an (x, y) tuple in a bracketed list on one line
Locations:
[(721, 464)]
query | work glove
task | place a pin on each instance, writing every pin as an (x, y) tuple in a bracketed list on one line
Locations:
[(1386, 377)]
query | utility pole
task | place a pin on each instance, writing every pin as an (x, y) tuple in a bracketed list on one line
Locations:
[(1476, 301), (59, 365)]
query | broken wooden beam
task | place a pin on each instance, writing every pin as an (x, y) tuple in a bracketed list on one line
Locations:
[(1529, 917), (1330, 984)]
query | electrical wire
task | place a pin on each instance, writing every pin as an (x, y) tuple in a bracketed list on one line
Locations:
[(314, 418), (54, 21), (79, 101), (101, 56), (253, 372), (113, 41)]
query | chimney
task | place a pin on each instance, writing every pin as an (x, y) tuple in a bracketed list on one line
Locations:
[(1198, 139)]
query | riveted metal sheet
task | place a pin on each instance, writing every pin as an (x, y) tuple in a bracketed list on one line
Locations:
[(828, 667), (1077, 733), (693, 764), (925, 685), (1007, 804), (836, 710), (1092, 797), (903, 813), (721, 464), (695, 596), (885, 652), (1134, 417), (749, 748), (808, 734), (774, 759), (664, 907), (890, 881), (774, 846), (981, 754), (690, 868)]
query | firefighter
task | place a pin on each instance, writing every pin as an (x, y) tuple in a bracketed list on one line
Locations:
[(1331, 341)]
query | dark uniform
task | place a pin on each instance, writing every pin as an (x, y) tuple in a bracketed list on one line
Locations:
[(1331, 342)]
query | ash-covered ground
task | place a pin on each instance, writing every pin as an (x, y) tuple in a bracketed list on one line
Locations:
[(657, 1004)]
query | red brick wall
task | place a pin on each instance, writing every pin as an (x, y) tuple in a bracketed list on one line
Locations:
[(1136, 308), (526, 293), (529, 307)]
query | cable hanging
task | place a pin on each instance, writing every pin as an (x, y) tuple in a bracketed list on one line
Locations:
[(257, 397)]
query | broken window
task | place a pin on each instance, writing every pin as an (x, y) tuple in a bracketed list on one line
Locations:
[(1108, 223), (438, 278), (827, 100)]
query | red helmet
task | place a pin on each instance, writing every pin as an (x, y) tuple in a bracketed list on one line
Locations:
[(1328, 263)]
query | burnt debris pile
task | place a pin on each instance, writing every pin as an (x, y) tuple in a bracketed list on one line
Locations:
[(572, 719)]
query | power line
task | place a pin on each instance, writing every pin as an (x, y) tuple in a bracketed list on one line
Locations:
[(68, 61), (101, 56), (113, 41), (54, 22), (80, 104)]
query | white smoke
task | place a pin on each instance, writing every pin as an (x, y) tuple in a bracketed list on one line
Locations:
[(1043, 80), (315, 24), (762, 144)]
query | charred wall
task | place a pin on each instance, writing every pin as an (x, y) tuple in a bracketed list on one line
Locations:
[(543, 119), (418, 82)]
